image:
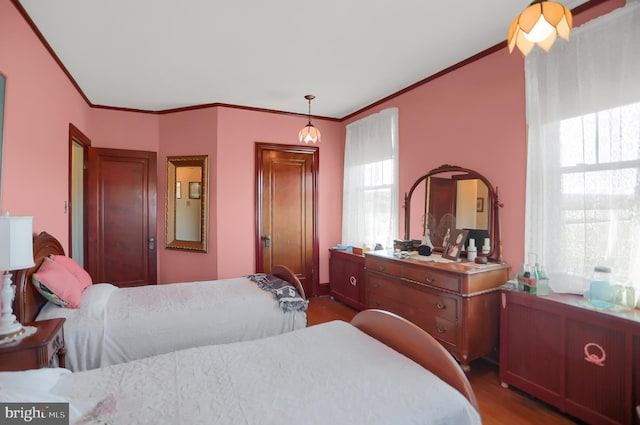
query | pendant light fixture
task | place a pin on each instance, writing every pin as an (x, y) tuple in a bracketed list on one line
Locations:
[(539, 24), (309, 133)]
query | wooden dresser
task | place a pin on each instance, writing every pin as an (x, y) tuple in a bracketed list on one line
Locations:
[(457, 303), (584, 362)]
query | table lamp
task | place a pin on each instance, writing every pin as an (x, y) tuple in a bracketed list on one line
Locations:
[(16, 253)]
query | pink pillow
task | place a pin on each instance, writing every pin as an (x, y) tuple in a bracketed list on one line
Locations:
[(74, 268), (57, 284)]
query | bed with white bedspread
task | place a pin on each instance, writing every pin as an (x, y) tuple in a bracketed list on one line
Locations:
[(115, 325), (112, 325), (333, 373)]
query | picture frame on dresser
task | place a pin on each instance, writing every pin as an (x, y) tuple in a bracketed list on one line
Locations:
[(456, 244)]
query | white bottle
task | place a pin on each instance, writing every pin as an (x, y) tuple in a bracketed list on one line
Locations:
[(472, 251), (487, 246)]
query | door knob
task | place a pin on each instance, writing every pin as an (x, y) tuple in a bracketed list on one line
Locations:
[(267, 240)]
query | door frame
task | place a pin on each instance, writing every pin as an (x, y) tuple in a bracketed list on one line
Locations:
[(77, 136), (261, 148)]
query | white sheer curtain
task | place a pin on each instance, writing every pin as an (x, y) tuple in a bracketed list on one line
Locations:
[(583, 164), (370, 196)]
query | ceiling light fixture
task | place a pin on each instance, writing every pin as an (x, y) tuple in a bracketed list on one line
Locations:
[(309, 133), (539, 24)]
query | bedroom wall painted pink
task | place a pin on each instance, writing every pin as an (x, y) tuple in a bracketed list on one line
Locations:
[(116, 129), (236, 188), (188, 133), (472, 117), (223, 134), (40, 102)]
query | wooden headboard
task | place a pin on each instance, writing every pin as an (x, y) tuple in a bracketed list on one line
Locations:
[(28, 301), (285, 273), (416, 344)]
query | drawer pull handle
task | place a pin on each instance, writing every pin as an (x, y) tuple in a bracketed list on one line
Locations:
[(440, 306), (429, 279), (381, 267), (440, 330), (353, 280), (594, 353)]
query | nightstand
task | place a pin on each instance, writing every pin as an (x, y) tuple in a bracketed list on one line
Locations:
[(45, 348)]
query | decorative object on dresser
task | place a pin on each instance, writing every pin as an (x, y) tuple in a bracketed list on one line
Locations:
[(455, 244), (347, 279), (15, 254), (581, 360), (45, 348)]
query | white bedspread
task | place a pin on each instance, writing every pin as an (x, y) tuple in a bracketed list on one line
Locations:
[(115, 325), (325, 374)]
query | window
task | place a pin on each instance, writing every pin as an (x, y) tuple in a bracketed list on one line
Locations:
[(370, 196), (599, 181), (583, 170)]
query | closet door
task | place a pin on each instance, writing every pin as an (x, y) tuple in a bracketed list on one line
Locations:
[(121, 217)]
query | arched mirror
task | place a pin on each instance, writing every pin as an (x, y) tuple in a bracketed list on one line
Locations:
[(451, 197), (187, 203)]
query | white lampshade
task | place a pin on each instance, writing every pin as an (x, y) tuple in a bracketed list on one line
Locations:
[(16, 243), (309, 134)]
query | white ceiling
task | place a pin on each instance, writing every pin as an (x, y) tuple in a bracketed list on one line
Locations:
[(164, 54)]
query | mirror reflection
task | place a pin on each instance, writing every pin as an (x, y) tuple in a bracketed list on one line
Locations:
[(186, 209), (449, 198)]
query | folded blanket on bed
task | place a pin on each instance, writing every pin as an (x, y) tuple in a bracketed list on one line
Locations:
[(286, 294)]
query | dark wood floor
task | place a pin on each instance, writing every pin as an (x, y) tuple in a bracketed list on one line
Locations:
[(498, 406)]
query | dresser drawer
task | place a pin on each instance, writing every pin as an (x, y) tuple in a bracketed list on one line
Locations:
[(436, 325), (410, 294), (445, 331), (383, 266), (434, 277)]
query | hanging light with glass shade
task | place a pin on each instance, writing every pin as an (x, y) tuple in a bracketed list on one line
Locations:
[(540, 24), (309, 133)]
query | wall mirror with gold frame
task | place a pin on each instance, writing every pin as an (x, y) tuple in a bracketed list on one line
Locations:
[(187, 203), (451, 197)]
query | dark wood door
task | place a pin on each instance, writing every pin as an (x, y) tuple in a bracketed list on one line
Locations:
[(286, 198), (441, 208), (121, 217)]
